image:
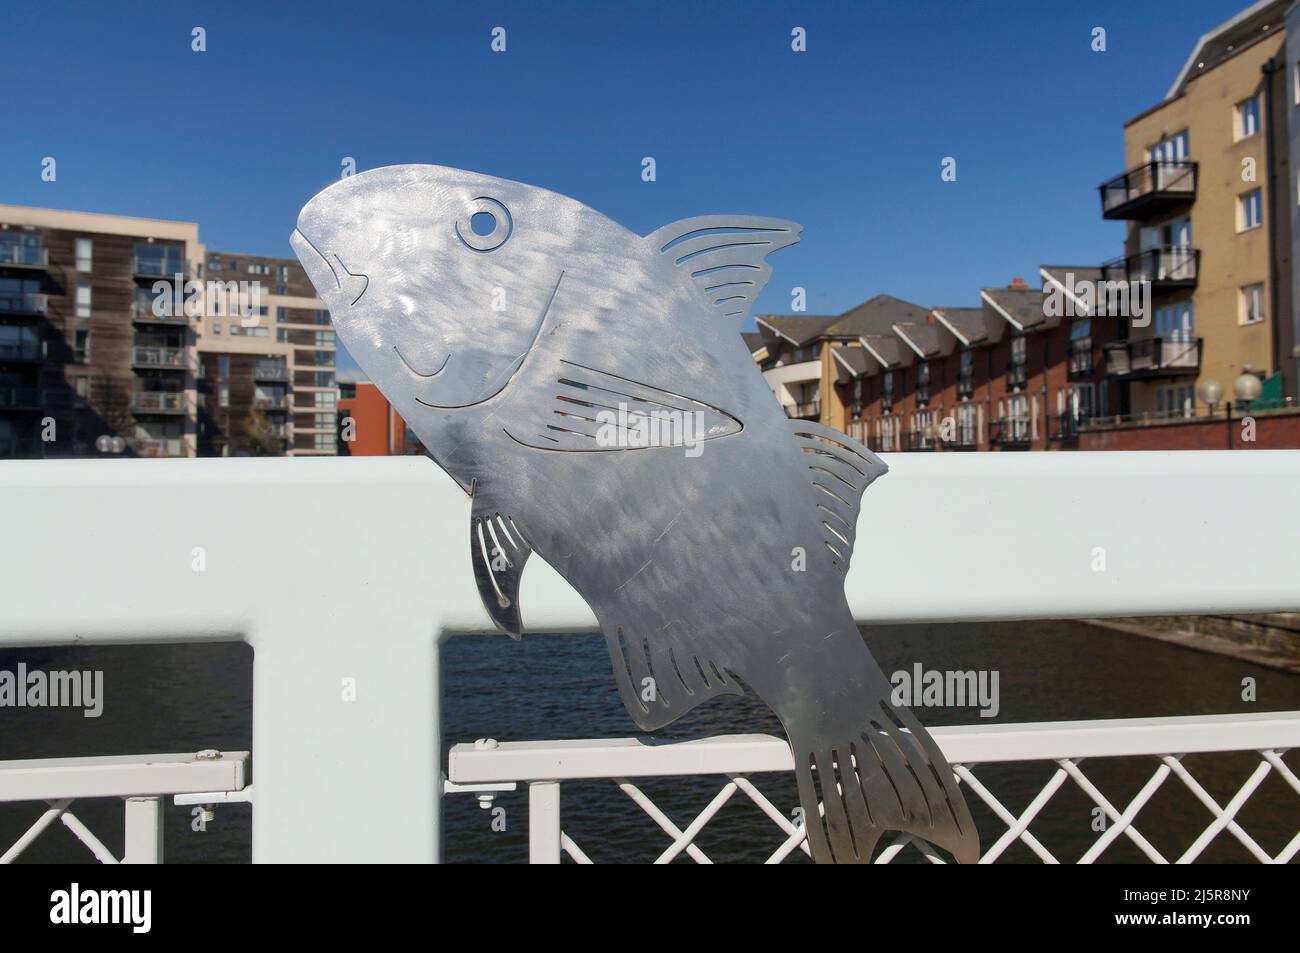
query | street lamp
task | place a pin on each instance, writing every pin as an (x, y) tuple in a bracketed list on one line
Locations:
[(1247, 387), (1210, 392)]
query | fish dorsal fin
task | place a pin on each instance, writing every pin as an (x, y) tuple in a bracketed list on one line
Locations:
[(498, 551), (725, 255), (839, 469)]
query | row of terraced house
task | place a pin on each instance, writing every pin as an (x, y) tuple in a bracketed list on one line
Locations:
[(1211, 195)]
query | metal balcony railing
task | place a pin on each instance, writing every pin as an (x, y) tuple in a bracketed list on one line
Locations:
[(1149, 188), (1014, 433), (160, 266), (1167, 268), (142, 311), (309, 782), (805, 411), (276, 372), (915, 440), (20, 398), (22, 255), (21, 351), (1065, 427), (271, 403), (1153, 357), (158, 401), (160, 447), (159, 357), (28, 302)]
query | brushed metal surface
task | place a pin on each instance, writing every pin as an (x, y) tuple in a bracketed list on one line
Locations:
[(589, 388)]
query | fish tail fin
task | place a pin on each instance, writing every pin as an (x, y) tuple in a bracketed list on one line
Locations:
[(884, 773)]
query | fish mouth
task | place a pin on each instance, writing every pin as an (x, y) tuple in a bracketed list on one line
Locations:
[(418, 373), (511, 370)]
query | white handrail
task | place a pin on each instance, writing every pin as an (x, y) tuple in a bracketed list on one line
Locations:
[(346, 616)]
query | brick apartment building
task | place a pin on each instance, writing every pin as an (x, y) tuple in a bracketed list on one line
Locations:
[(94, 359)]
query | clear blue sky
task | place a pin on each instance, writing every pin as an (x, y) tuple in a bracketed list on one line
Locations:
[(846, 138)]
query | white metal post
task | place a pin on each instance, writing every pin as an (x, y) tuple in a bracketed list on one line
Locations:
[(144, 830), (544, 822)]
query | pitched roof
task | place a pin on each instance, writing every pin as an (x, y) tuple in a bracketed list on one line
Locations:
[(923, 339), (1023, 307), (887, 349), (798, 329), (966, 324), (754, 340), (878, 315), (1258, 21), (851, 361), (1068, 278)]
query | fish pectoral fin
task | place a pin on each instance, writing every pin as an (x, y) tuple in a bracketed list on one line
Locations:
[(498, 551), (725, 256), (839, 469)]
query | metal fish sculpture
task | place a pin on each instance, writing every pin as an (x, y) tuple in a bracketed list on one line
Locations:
[(589, 389)]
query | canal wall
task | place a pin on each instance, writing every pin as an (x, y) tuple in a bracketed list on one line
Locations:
[(1272, 640)]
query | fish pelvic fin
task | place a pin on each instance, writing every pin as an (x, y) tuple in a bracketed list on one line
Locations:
[(839, 469), (498, 551), (884, 773), (725, 256)]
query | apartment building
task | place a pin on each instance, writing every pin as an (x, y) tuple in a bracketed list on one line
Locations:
[(266, 382), (93, 358), (369, 426), (1209, 197), (124, 336)]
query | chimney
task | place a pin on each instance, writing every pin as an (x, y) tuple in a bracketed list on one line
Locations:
[(1018, 283)]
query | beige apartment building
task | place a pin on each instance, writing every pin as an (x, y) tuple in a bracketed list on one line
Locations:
[(1207, 198), (115, 338)]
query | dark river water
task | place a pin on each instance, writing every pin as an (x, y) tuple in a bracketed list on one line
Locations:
[(185, 698)]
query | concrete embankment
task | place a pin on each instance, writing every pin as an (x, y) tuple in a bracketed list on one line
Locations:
[(1272, 641)]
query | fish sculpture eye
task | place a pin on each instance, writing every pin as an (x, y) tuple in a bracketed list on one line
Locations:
[(479, 212)]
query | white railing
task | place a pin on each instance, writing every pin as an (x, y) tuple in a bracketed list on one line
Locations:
[(1162, 741), (347, 639), (142, 781)]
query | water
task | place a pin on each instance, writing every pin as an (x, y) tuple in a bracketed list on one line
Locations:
[(183, 698)]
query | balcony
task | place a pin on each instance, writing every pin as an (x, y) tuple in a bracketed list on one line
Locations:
[(1011, 433), (165, 358), (1065, 427), (1017, 374), (160, 266), (1148, 190), (1153, 357), (1168, 268), (158, 402), (914, 441), (272, 403), (267, 372), (142, 313), (811, 410), (966, 438), (14, 255), (28, 303), (1080, 360), (13, 352), (21, 398)]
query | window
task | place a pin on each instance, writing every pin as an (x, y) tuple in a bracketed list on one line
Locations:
[(82, 386), (324, 441), (83, 301), (1250, 210), (347, 390), (1176, 401), (281, 315), (1019, 354), (215, 265), (223, 395), (1252, 304), (81, 345), (1174, 149), (259, 269), (223, 365), (282, 335), (1295, 83), (324, 398), (324, 421), (1175, 322), (321, 317), (324, 338), (85, 254), (1247, 113)]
